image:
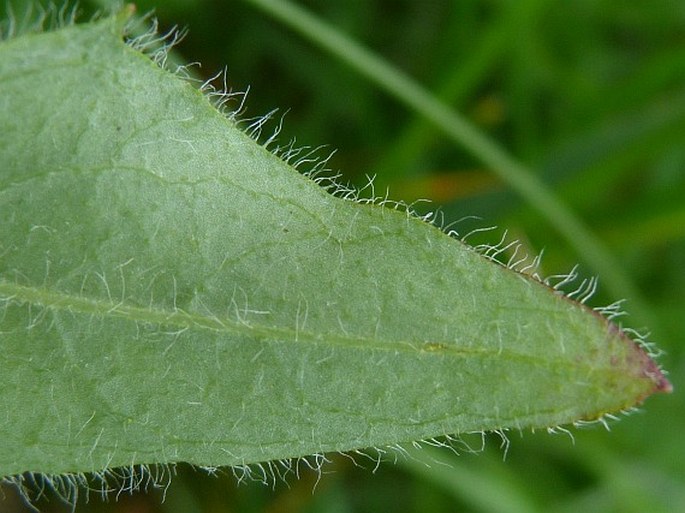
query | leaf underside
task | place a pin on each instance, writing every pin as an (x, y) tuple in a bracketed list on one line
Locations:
[(172, 291)]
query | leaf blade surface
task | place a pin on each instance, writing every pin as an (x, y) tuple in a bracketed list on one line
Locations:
[(171, 291)]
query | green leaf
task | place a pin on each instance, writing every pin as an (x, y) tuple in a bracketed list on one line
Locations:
[(172, 291)]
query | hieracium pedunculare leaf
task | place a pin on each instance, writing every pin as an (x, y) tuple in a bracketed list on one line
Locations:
[(172, 291)]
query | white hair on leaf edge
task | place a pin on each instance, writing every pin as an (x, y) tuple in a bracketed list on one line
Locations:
[(142, 34)]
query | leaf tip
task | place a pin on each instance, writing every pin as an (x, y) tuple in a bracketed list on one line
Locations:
[(663, 385), (652, 371)]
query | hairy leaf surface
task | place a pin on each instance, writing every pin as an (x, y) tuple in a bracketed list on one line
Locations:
[(172, 291)]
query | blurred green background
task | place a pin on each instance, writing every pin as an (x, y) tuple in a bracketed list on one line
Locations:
[(590, 96)]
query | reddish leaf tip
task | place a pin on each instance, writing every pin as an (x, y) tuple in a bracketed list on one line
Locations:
[(663, 385)]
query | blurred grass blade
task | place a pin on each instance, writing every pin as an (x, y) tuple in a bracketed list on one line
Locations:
[(171, 291), (485, 487), (464, 77)]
